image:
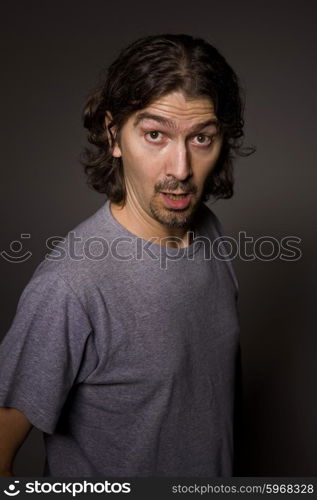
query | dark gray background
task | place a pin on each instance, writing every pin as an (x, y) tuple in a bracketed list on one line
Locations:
[(52, 53)]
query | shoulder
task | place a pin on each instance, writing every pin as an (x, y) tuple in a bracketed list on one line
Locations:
[(76, 263), (210, 226), (80, 252), (207, 222)]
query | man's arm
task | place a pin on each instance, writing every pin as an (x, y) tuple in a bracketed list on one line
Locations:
[(14, 428)]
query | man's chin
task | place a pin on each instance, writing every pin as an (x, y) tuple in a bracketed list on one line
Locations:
[(181, 219)]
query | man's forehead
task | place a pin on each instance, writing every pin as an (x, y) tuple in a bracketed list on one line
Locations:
[(178, 112), (177, 109)]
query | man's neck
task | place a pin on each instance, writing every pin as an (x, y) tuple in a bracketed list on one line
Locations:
[(147, 228)]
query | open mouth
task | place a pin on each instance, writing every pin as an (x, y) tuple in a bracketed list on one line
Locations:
[(177, 201), (176, 196)]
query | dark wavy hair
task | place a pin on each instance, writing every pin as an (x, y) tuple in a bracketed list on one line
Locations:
[(146, 70)]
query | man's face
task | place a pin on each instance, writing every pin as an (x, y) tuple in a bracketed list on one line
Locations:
[(168, 150)]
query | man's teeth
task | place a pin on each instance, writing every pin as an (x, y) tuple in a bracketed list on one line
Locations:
[(176, 196)]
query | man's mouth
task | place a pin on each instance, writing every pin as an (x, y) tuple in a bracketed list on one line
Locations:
[(177, 201), (176, 196)]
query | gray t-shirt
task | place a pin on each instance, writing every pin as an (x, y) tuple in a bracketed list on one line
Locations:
[(123, 353)]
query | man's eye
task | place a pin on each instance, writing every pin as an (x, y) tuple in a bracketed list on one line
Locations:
[(154, 135), (203, 140)]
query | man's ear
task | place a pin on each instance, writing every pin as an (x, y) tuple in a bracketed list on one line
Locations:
[(116, 151)]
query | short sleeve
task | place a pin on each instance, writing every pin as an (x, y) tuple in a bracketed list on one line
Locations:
[(41, 354)]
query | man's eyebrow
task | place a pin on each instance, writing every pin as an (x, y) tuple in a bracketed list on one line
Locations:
[(170, 124)]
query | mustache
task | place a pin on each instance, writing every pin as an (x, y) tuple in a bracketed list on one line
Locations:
[(174, 185)]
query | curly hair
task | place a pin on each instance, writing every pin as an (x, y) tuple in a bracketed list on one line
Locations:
[(146, 70)]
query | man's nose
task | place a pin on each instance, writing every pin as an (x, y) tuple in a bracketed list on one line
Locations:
[(179, 162)]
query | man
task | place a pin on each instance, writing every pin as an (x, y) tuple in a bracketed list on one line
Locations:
[(124, 344)]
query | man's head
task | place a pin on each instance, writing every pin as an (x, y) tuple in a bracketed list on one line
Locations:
[(168, 150), (165, 120)]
